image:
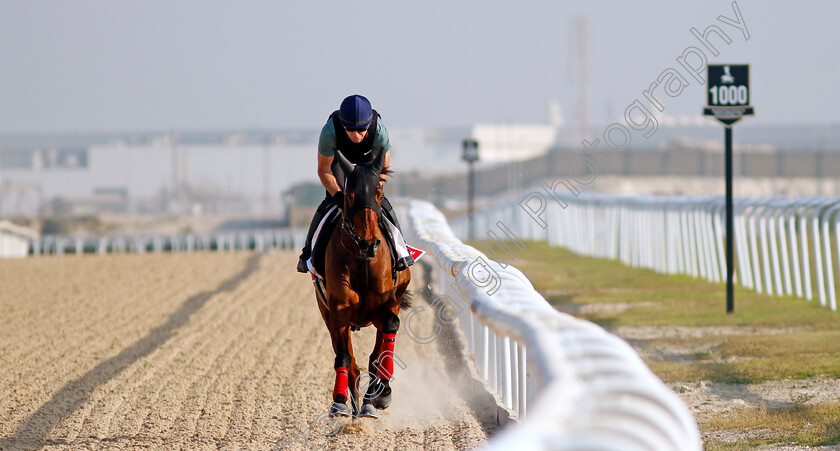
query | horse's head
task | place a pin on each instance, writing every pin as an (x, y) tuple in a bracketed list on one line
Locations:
[(363, 201)]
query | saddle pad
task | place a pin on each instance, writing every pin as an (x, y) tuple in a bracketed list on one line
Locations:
[(325, 229), (415, 253), (319, 246)]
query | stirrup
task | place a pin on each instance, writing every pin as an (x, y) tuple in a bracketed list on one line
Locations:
[(403, 263)]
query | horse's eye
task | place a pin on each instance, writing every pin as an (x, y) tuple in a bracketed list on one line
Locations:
[(350, 200)]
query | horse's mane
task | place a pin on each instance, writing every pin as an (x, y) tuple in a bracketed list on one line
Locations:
[(385, 171)]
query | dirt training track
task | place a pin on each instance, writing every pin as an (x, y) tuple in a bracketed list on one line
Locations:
[(202, 351)]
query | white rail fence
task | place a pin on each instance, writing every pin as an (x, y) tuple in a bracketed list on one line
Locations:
[(570, 384), (258, 240), (782, 246)]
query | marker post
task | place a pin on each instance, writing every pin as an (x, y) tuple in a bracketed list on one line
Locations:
[(728, 100), (470, 155)]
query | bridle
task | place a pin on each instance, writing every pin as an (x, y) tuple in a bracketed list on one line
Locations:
[(364, 200), (364, 249)]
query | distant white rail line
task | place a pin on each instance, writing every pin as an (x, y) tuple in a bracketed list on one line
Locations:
[(782, 246), (258, 240), (570, 384)]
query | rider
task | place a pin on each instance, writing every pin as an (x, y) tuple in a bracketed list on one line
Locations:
[(357, 131)]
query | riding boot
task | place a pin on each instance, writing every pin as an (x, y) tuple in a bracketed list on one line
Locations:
[(306, 252), (388, 210)]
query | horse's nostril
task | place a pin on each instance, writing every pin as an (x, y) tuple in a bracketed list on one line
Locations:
[(369, 249)]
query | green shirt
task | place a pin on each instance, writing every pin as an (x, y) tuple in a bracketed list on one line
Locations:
[(326, 142)]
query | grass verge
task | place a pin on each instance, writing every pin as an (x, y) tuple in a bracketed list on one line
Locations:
[(804, 425), (785, 337), (766, 338)]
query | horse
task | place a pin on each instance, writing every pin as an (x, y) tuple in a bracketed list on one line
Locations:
[(359, 290)]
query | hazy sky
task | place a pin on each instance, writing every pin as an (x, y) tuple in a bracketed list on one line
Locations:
[(116, 65)]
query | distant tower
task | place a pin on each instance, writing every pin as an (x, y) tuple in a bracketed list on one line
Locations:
[(266, 175), (174, 139), (555, 114), (580, 60)]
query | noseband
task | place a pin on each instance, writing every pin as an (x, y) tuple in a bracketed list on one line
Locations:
[(362, 180), (366, 250)]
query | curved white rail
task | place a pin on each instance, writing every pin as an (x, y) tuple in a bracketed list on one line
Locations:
[(581, 388)]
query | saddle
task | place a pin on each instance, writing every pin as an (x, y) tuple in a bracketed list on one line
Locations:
[(331, 220)]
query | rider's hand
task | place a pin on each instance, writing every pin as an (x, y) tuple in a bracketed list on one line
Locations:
[(338, 197)]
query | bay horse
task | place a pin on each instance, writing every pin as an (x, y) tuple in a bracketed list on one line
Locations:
[(358, 290)]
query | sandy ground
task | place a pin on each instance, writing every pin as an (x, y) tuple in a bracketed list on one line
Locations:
[(202, 351), (707, 400)]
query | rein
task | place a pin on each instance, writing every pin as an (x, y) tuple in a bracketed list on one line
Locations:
[(363, 180), (347, 227), (351, 232)]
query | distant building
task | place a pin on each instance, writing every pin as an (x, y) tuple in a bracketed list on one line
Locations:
[(110, 199), (500, 143), (301, 200), (15, 239)]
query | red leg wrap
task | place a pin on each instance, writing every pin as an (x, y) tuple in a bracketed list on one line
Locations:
[(340, 382), (386, 357)]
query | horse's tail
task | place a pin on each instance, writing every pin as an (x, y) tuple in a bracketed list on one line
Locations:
[(406, 299)]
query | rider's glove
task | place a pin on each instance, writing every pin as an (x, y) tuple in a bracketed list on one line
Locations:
[(338, 197)]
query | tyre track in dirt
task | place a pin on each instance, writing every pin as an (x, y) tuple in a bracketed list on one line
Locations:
[(244, 419), (164, 388), (72, 396), (216, 370), (97, 337), (91, 417), (203, 351), (53, 306), (71, 338), (188, 356)]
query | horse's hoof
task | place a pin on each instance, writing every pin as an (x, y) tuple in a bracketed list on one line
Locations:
[(382, 401), (339, 410), (368, 411)]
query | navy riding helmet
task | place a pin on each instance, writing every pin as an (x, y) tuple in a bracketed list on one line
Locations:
[(355, 112)]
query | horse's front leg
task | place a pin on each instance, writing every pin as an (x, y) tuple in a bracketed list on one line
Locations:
[(374, 387), (346, 369), (343, 365), (381, 364)]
